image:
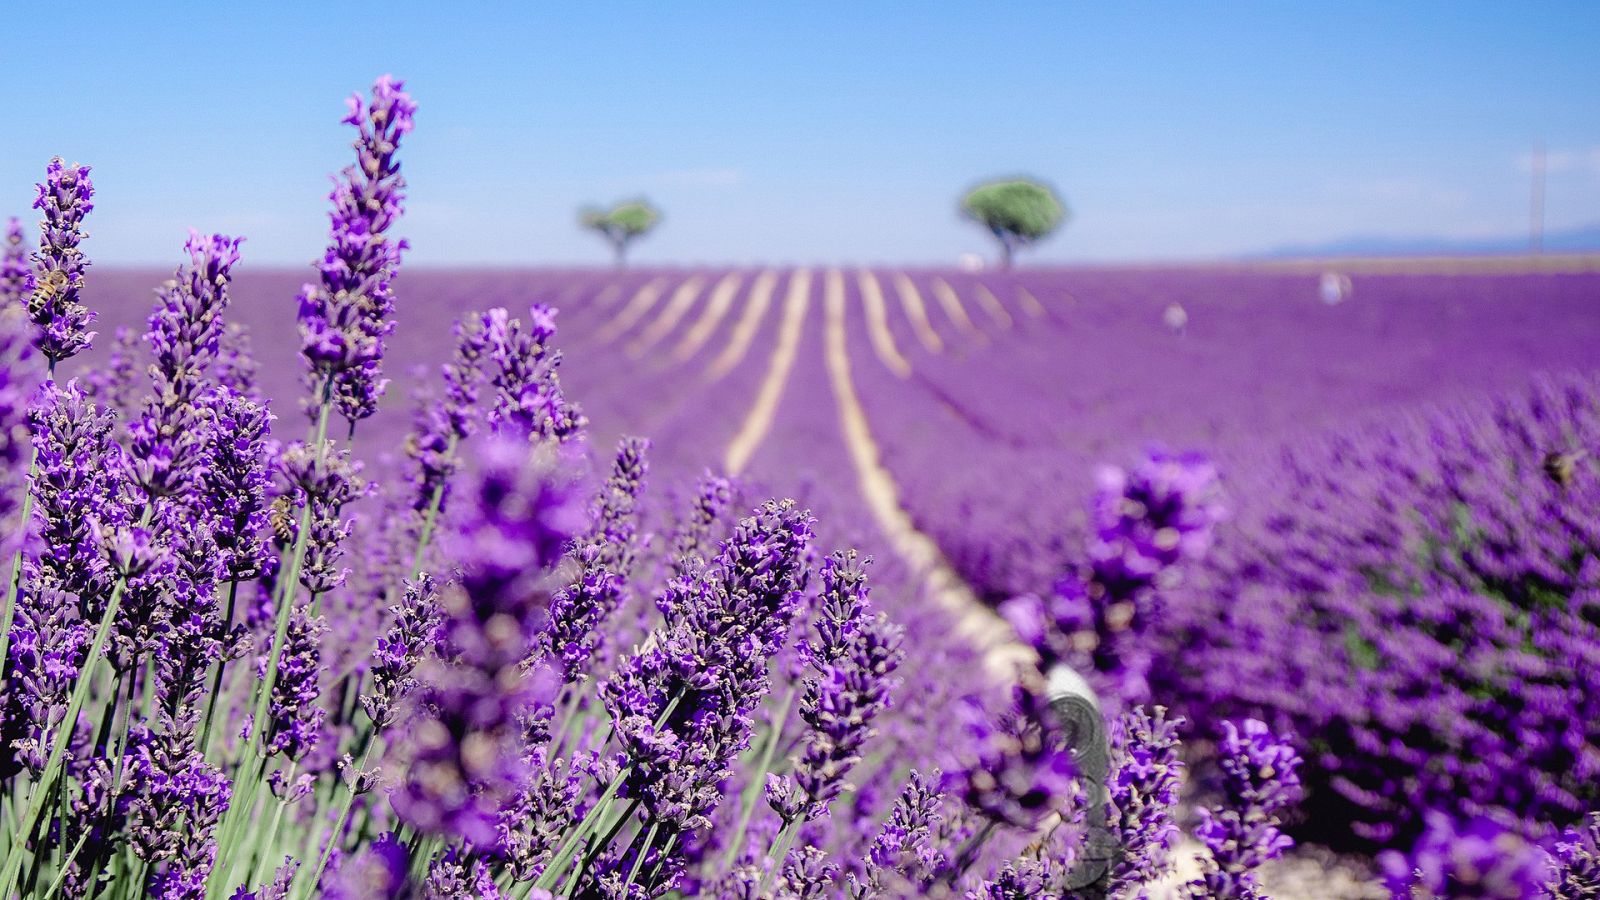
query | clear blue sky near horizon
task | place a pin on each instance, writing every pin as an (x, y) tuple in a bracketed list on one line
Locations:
[(825, 132)]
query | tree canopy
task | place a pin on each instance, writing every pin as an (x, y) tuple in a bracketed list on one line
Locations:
[(1016, 211), (621, 224)]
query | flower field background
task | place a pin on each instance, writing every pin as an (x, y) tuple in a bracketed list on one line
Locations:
[(566, 590)]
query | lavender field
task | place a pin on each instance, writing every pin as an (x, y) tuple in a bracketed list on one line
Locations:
[(370, 580)]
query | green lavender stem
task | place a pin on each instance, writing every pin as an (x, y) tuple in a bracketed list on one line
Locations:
[(752, 791)]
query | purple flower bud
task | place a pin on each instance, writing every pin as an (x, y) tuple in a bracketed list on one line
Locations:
[(1144, 794), (523, 370), (1481, 859), (1260, 779), (345, 317), (853, 658), (13, 267), (294, 717), (1021, 769), (464, 750), (57, 280)]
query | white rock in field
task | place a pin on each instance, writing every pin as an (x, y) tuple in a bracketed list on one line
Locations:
[(1176, 317), (971, 262), (1334, 287)]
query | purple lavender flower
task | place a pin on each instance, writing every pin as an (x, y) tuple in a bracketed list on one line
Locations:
[(235, 479), (1144, 793), (1260, 779), (433, 444), (1483, 858), (53, 301), (1098, 619), (1576, 862), (166, 440), (13, 267), (346, 316), (1021, 769), (853, 658), (401, 649), (1020, 879), (323, 482), (533, 825), (527, 388), (173, 799), (605, 559), (465, 749), (693, 540), (898, 850), (48, 644), (807, 875), (455, 875), (682, 707), (294, 717)]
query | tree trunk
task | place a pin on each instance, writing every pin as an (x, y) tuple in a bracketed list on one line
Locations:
[(621, 254), (1005, 254)]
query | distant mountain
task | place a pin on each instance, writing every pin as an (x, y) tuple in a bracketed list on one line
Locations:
[(1570, 240)]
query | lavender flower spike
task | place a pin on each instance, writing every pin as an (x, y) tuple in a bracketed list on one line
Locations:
[(1482, 858), (1259, 781), (853, 659), (464, 753), (185, 327), (53, 304), (13, 267), (345, 317), (1144, 793), (528, 398)]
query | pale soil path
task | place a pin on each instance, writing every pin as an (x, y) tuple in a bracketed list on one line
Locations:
[(922, 556), (992, 305), (946, 295), (672, 313), (608, 296), (717, 306), (744, 331), (917, 311), (1030, 303), (642, 300), (877, 310), (759, 420)]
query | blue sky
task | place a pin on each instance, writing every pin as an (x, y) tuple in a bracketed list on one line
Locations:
[(814, 132)]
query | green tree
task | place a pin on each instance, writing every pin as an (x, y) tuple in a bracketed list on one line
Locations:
[(1017, 211), (621, 224)]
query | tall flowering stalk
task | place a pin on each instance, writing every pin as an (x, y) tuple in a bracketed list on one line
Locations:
[(463, 754), (682, 707), (1260, 779), (166, 440), (14, 286), (55, 286), (1477, 858), (852, 658), (440, 426), (1144, 795), (347, 314), (605, 561), (523, 371), (1099, 619)]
